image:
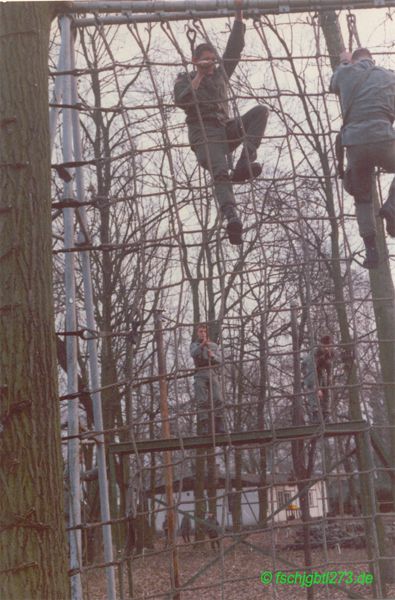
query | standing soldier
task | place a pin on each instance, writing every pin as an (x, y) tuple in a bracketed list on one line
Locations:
[(202, 94), (206, 356), (212, 528), (186, 528), (367, 98)]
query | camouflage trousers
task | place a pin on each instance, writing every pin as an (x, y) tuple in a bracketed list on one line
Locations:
[(313, 402), (213, 143)]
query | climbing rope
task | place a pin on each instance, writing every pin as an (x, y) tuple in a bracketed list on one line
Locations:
[(352, 31)]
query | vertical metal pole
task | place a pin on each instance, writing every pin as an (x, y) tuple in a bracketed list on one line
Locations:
[(92, 348), (71, 340), (58, 89), (164, 409)]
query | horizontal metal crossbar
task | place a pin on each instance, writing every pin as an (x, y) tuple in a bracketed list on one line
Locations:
[(241, 438), (205, 5), (176, 10)]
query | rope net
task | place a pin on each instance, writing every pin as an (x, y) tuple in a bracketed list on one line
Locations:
[(315, 498)]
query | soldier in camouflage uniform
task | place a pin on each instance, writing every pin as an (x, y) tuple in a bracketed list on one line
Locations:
[(202, 94), (367, 96), (206, 356)]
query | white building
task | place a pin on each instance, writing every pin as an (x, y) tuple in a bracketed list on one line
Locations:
[(280, 494)]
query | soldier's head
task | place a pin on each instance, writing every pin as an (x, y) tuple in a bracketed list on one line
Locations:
[(326, 340), (360, 54), (325, 350), (204, 58), (202, 332)]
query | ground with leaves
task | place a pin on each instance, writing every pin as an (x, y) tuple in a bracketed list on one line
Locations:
[(235, 571)]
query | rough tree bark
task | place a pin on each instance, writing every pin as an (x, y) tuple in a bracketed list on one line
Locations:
[(32, 542)]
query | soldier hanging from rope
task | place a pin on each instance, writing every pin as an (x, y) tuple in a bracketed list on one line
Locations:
[(207, 357), (367, 97), (317, 373), (202, 94)]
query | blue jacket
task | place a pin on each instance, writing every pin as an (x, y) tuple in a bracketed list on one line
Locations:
[(373, 106), (201, 357)]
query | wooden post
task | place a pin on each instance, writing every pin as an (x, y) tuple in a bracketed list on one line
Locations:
[(164, 410)]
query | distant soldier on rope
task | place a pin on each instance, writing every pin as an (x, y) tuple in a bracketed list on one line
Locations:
[(367, 97), (202, 94), (207, 357), (317, 368)]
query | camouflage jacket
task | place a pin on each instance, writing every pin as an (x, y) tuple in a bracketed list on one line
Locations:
[(210, 99)]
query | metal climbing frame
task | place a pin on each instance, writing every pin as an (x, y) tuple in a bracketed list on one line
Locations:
[(66, 92), (179, 10)]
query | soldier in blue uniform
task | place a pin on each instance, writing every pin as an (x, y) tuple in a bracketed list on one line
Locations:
[(367, 97), (207, 359)]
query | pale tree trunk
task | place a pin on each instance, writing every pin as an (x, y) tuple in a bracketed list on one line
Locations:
[(238, 387), (303, 453), (200, 454), (32, 542)]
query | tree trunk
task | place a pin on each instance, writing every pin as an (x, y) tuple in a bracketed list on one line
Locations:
[(237, 511), (262, 490), (302, 452), (33, 542), (111, 398)]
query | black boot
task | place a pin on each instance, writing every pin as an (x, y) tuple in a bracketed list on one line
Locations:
[(234, 227), (372, 256), (234, 230), (386, 214), (245, 170)]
